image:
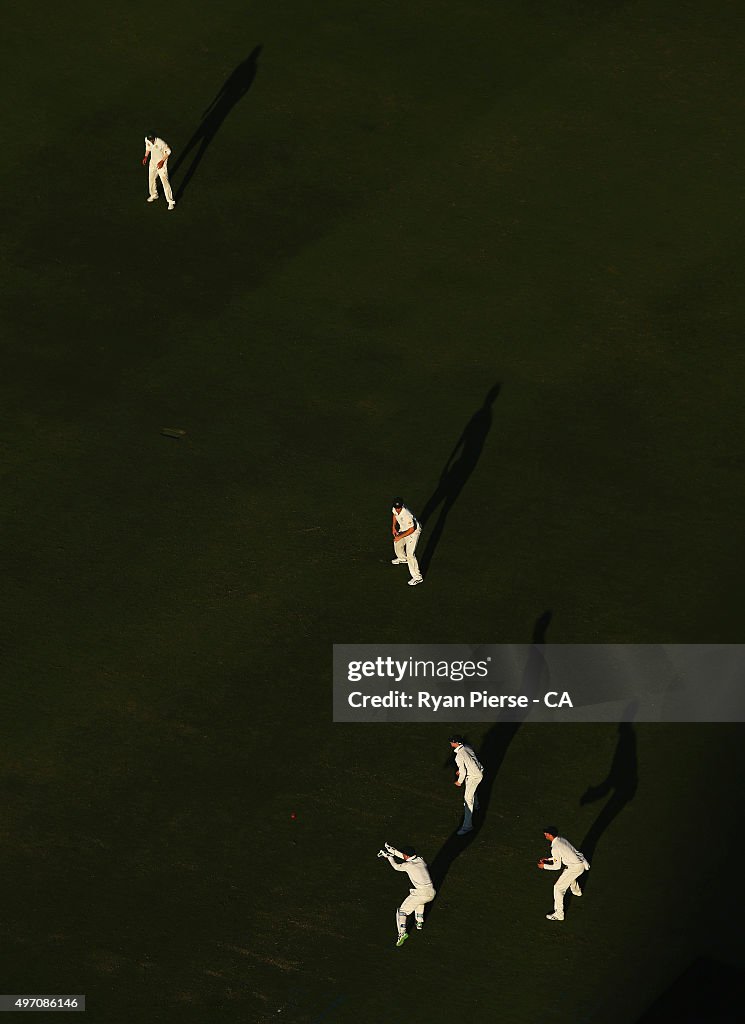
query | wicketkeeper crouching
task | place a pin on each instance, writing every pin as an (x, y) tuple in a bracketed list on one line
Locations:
[(423, 891)]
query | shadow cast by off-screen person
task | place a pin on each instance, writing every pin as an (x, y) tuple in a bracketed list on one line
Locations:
[(458, 468), (620, 785), (233, 90), (493, 750)]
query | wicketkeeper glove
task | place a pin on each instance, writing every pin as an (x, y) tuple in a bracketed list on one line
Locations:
[(389, 848), (382, 853)]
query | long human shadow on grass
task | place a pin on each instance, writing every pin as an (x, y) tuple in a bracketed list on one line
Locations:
[(458, 468), (494, 749), (234, 89), (620, 782)]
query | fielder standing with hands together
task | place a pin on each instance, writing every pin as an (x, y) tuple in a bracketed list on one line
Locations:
[(406, 531)]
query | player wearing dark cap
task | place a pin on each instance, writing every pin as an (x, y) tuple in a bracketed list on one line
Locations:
[(406, 531), (469, 773)]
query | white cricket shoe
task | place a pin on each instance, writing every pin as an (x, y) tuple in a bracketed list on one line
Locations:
[(554, 917), (398, 561), (417, 579), (171, 206), (152, 199), (576, 892)]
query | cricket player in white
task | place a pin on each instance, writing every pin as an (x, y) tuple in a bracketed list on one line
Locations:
[(158, 151), (421, 893), (469, 774), (563, 855), (406, 531)]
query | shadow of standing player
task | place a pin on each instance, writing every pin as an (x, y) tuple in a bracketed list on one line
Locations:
[(233, 90), (620, 782), (458, 468)]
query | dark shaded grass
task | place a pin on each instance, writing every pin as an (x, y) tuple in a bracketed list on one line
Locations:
[(407, 207)]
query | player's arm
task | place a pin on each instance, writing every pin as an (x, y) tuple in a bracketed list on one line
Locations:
[(144, 159), (550, 863), (390, 858), (394, 524)]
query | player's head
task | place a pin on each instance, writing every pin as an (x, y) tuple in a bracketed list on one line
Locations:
[(455, 740), (150, 138), (551, 832), (408, 852), (398, 503)]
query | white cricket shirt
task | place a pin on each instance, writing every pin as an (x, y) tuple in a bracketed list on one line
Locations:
[(417, 870), (467, 763), (404, 518), (564, 854), (159, 150)]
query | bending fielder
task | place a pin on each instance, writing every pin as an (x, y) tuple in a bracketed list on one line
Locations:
[(421, 893), (563, 855)]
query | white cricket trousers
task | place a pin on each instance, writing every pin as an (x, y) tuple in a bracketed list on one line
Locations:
[(470, 800), (568, 878), (405, 548), (154, 173), (414, 903)]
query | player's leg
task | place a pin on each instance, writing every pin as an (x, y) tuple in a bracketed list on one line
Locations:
[(467, 825), (562, 884), (408, 906), (152, 177), (411, 543), (419, 917), (399, 551), (468, 804), (575, 873), (401, 915), (167, 192), (475, 792), (419, 910)]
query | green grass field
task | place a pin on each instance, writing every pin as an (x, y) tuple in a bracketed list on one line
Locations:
[(412, 203)]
